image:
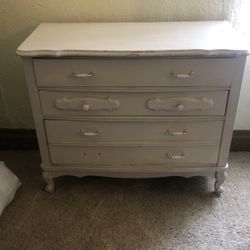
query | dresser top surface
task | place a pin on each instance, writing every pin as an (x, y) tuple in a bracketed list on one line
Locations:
[(215, 38)]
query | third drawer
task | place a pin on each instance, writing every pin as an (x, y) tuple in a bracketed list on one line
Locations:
[(128, 131)]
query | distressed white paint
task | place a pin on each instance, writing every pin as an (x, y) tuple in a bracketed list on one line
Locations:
[(134, 39), (123, 157)]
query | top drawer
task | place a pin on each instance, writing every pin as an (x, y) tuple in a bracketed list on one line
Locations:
[(134, 72)]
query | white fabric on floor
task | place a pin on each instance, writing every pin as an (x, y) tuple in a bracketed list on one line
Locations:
[(9, 184)]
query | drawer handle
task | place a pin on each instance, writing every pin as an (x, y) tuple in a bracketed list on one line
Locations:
[(86, 133), (86, 104), (82, 75), (180, 107), (180, 104), (183, 75), (176, 157), (177, 133), (86, 107)]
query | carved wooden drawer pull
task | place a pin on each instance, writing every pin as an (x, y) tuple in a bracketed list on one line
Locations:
[(86, 104), (183, 75), (176, 157), (180, 104)]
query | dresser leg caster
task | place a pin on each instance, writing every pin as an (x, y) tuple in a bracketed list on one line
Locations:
[(220, 178), (50, 187)]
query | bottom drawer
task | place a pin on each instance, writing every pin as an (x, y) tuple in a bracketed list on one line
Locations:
[(127, 155)]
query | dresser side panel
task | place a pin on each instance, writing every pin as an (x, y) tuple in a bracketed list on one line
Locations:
[(36, 109)]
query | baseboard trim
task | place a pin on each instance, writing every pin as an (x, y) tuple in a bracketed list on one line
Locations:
[(241, 140), (25, 139), (18, 139)]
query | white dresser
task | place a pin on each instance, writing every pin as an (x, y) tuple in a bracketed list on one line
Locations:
[(134, 99)]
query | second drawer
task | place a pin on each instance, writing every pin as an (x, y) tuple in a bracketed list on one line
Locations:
[(133, 103), (128, 131)]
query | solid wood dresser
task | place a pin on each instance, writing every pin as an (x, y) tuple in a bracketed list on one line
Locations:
[(134, 99)]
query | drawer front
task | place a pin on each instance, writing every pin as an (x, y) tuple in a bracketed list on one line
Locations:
[(127, 131), (92, 104), (134, 72), (134, 155)]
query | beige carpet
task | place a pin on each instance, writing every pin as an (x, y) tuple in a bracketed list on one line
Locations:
[(101, 213)]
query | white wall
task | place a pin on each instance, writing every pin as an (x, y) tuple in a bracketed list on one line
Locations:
[(238, 13), (19, 18), (243, 112)]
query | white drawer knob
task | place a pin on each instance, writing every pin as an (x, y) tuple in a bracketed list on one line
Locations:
[(86, 107), (180, 107)]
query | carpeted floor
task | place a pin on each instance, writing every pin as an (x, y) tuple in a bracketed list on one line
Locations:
[(102, 213)]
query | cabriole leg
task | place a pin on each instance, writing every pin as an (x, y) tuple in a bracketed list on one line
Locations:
[(50, 187), (220, 178)]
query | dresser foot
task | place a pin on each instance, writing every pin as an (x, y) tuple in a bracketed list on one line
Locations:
[(220, 178), (50, 187)]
